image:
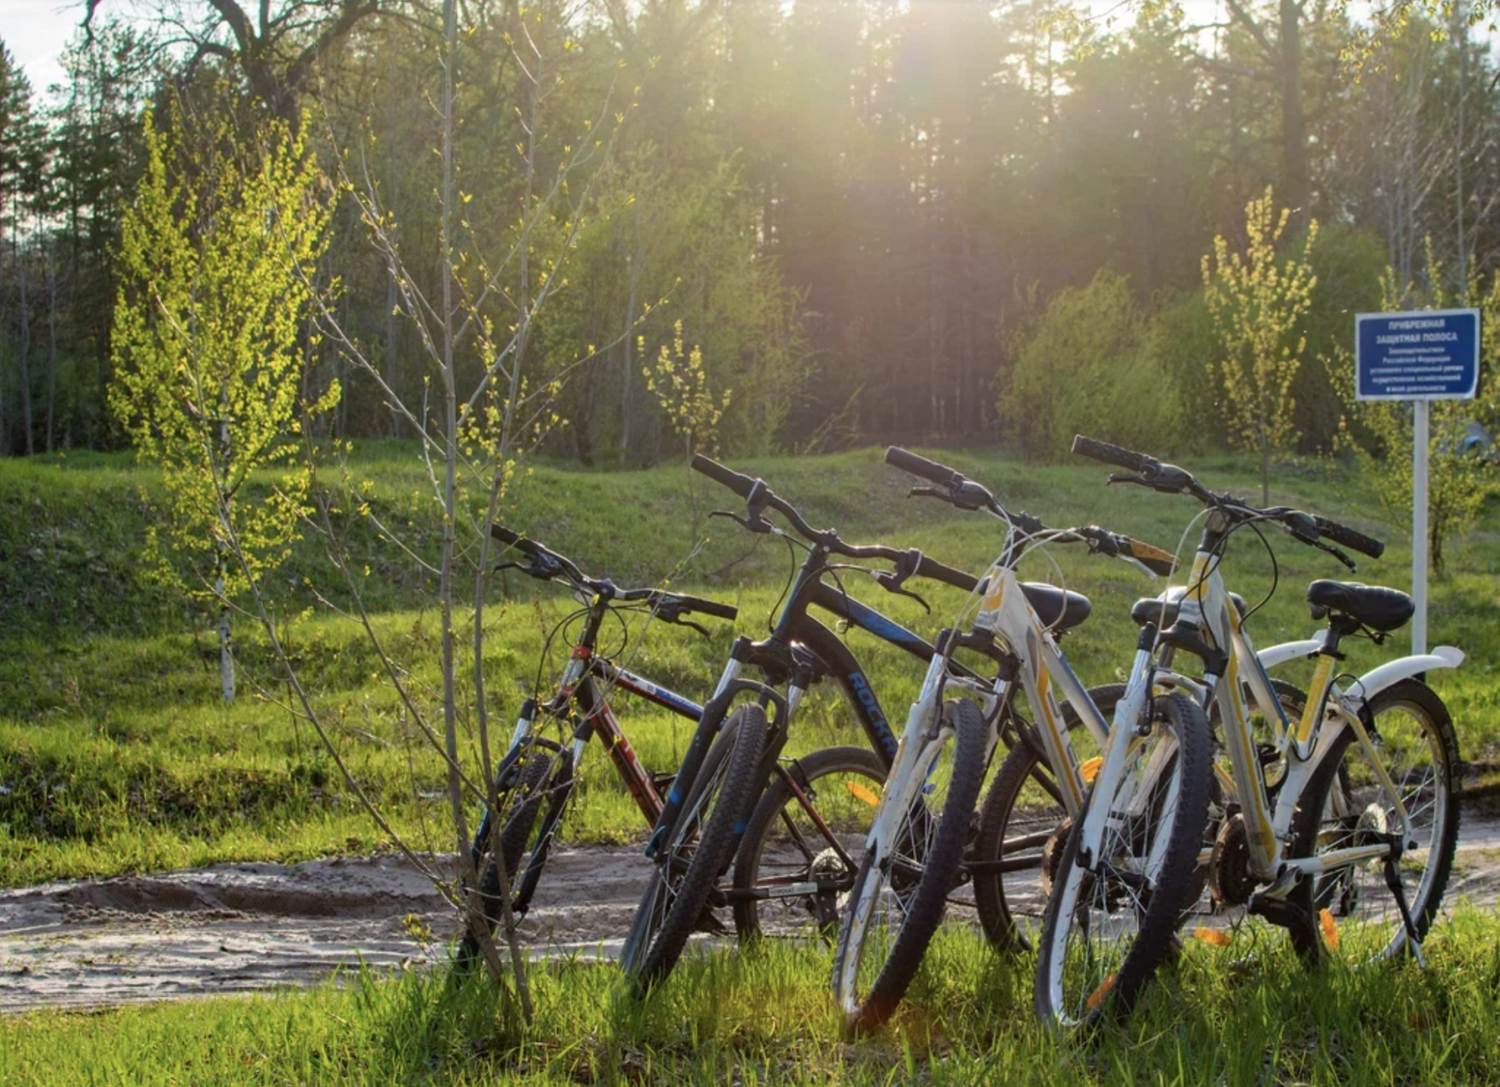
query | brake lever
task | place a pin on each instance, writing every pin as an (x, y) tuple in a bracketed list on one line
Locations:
[(1340, 555), (899, 591), (1122, 477), (698, 627), (756, 524), (929, 492)]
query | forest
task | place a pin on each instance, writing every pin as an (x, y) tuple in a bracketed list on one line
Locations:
[(850, 221)]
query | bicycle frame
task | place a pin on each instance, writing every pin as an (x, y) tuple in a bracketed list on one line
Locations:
[(800, 651), (580, 685), (1304, 743)]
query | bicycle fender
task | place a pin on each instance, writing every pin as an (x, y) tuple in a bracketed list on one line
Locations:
[(1378, 679), (1276, 655)]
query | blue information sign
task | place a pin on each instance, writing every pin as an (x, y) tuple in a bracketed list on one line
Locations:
[(1425, 355)]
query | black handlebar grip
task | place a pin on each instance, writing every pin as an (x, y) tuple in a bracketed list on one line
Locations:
[(936, 571), (930, 470), (1347, 537), (726, 477), (1111, 454), (505, 535), (710, 607)]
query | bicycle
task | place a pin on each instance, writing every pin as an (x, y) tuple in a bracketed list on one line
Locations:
[(1290, 848), (537, 770), (707, 820), (1130, 844)]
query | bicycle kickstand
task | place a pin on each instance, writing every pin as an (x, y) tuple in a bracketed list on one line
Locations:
[(1393, 881)]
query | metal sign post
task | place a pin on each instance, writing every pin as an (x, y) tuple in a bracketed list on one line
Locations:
[(1421, 356)]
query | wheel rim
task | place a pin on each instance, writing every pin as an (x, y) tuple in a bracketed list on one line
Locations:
[(796, 851), (1099, 912), (892, 881), (1408, 745)]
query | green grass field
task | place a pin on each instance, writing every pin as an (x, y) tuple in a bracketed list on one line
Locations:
[(116, 755)]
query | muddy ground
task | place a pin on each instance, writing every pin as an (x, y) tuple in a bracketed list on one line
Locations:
[(242, 927)]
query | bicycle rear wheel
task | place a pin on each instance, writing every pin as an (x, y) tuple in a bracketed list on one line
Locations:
[(899, 898), (678, 897), (1415, 741), (797, 861), (1023, 828), (1111, 919)]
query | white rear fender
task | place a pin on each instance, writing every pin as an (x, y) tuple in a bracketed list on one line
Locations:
[(1376, 680), (1288, 651)]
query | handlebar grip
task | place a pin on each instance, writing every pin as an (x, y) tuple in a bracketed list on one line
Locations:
[(505, 535), (1112, 454), (936, 571), (709, 607), (1347, 537), (929, 470), (1153, 558), (726, 477)]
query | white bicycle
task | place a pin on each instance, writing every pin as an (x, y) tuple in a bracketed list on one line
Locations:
[(1129, 869)]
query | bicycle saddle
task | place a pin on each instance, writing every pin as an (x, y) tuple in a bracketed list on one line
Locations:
[(1162, 610), (1057, 608), (1374, 606)]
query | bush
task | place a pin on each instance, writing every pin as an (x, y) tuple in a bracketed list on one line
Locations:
[(1092, 366)]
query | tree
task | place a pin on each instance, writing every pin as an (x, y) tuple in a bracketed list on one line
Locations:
[(1257, 300), (22, 176), (215, 259)]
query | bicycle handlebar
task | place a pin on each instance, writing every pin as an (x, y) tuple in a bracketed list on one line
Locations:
[(929, 470), (1114, 454), (547, 565), (1348, 537), (761, 497), (1171, 479), (741, 485)]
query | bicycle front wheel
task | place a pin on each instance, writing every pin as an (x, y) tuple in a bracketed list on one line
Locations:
[(901, 892), (678, 897), (799, 857), (1416, 744), (1111, 918), (518, 808)]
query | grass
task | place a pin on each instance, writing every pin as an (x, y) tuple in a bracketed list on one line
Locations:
[(765, 1017), (116, 754)]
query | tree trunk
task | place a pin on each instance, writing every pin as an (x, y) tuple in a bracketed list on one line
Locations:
[(51, 340), (1294, 184), (25, 355), (626, 372)]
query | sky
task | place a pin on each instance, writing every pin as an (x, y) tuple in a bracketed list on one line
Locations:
[(35, 31)]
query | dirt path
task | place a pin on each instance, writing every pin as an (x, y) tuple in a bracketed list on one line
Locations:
[(243, 927), (240, 927)]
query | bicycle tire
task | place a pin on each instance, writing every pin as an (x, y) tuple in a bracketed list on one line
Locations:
[(1158, 919), (728, 785), (514, 837), (991, 900), (856, 761), (924, 911), (1331, 831)]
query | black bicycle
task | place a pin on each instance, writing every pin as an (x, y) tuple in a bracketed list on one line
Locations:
[(732, 791)]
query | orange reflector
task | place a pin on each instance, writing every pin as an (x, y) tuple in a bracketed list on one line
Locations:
[(863, 793), (1212, 936), (1090, 769), (1330, 930), (1098, 995)]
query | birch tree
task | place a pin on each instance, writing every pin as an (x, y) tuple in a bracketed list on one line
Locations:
[(1257, 299), (215, 282)]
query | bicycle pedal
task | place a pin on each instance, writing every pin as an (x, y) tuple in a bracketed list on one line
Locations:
[(1275, 904)]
